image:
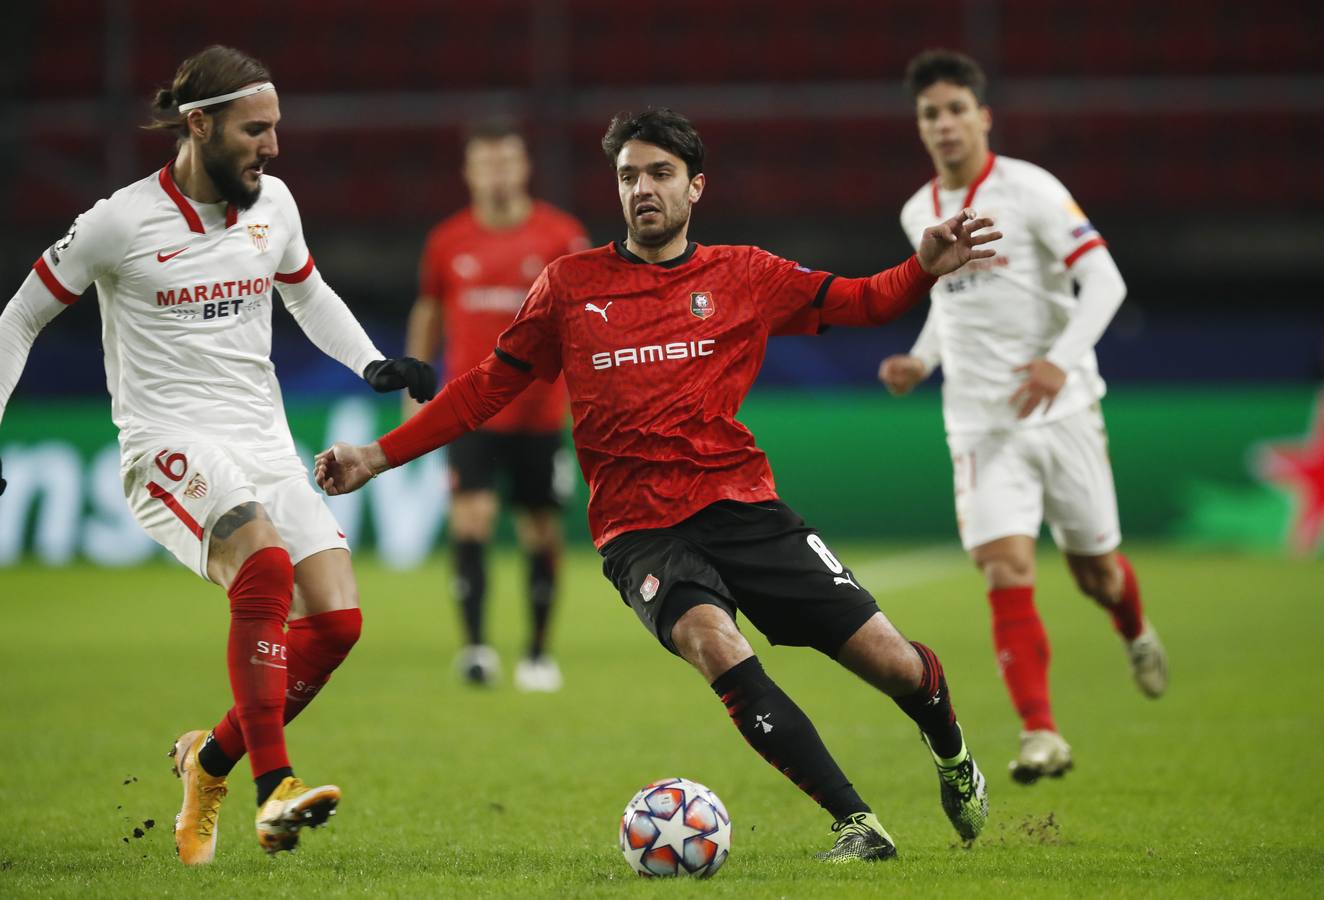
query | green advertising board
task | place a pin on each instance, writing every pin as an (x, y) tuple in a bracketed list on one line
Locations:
[(856, 464)]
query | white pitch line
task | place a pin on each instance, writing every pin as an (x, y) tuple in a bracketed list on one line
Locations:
[(923, 565)]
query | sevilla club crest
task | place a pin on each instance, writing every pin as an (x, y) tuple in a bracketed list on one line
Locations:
[(258, 233), (701, 304)]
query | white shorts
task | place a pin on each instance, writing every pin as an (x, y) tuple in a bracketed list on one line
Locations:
[(1009, 482), (178, 492)]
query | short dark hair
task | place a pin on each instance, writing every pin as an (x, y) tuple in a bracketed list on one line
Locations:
[(933, 66), (660, 125), (209, 73), (492, 128)]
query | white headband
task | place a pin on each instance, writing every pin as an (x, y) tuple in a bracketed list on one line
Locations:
[(185, 108)]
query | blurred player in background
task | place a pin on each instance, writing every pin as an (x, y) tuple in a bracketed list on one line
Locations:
[(1021, 391), (476, 269), (660, 339), (184, 262)]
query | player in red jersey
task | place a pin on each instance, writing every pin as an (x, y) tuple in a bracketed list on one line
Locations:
[(659, 340), (477, 266)]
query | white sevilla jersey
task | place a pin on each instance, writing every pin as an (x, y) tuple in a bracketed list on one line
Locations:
[(995, 314), (185, 291)]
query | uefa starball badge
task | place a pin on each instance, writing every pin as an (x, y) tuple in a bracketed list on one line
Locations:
[(701, 304)]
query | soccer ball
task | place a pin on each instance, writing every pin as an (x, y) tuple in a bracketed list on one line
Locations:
[(675, 827)]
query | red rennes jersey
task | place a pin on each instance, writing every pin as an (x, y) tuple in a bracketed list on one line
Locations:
[(657, 360), (480, 277)]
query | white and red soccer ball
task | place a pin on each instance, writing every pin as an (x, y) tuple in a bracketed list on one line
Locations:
[(675, 827)]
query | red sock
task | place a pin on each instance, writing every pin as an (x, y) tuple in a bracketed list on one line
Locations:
[(317, 646), (1023, 654), (1128, 615), (260, 598)]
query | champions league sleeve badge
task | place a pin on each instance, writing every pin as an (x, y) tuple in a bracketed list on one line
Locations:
[(701, 304)]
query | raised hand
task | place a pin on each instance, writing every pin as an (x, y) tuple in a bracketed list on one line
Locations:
[(949, 245)]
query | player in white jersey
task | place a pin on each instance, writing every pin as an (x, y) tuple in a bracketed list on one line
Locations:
[(184, 262), (1015, 337)]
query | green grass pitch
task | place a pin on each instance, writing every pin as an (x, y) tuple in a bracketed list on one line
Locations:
[(1212, 791)]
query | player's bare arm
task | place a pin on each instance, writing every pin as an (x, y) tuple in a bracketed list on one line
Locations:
[(901, 372), (949, 245)]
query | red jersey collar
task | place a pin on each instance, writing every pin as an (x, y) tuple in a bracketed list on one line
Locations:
[(974, 186), (167, 179), (625, 254)]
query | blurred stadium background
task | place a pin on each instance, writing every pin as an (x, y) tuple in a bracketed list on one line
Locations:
[(1190, 131)]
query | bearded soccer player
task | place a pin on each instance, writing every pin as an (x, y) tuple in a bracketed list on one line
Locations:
[(477, 266), (1021, 390), (659, 340), (184, 262)]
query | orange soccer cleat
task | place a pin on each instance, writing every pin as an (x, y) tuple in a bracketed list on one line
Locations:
[(291, 806), (195, 825)]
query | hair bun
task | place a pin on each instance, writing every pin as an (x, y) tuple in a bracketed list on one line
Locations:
[(165, 99)]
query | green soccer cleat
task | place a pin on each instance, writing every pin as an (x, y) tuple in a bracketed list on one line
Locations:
[(963, 792), (859, 836)]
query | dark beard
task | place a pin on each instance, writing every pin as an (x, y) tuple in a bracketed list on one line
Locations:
[(221, 169), (658, 239)]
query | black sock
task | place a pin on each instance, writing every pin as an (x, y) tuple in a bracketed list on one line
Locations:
[(931, 706), (269, 781), (784, 736), (471, 587), (213, 761), (542, 589)]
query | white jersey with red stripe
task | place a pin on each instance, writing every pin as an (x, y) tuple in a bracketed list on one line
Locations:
[(995, 314), (185, 291)]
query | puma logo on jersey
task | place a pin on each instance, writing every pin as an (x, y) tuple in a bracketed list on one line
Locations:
[(845, 579), (600, 310), (162, 256)]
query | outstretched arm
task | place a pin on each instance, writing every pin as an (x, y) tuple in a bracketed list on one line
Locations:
[(462, 406), (883, 297), (26, 314), (330, 325)]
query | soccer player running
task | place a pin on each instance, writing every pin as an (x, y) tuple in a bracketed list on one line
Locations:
[(1021, 394), (659, 340), (476, 268), (184, 262)]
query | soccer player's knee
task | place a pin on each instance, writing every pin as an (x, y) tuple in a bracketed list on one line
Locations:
[(339, 633), (264, 586), (1007, 570), (1098, 579)]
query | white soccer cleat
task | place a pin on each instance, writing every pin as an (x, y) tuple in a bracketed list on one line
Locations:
[(1149, 662), (540, 675), (478, 664), (1043, 752)]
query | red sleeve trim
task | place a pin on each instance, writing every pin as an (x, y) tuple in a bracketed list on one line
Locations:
[(174, 193), (296, 277), (172, 504), (1083, 249), (59, 291)]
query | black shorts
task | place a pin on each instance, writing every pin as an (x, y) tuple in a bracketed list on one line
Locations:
[(527, 461), (760, 559)]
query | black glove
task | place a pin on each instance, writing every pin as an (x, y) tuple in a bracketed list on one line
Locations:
[(406, 372), (2, 483)]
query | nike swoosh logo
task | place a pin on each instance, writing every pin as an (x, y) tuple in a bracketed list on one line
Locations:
[(253, 660), (166, 257)]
